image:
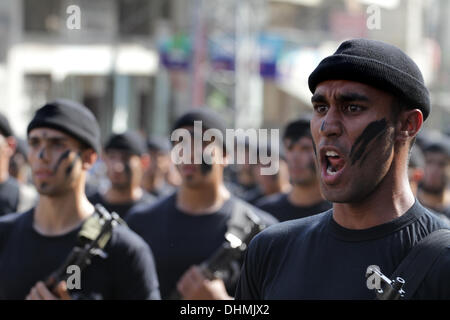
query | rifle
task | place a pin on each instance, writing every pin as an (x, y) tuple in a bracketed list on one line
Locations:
[(413, 269), (389, 289), (92, 239), (224, 264)]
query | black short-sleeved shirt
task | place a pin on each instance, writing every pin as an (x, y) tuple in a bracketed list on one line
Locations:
[(315, 258), (9, 196), (163, 191), (253, 195), (180, 240), (281, 208), (26, 257), (122, 209)]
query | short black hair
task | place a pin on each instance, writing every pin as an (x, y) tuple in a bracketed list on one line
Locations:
[(298, 129)]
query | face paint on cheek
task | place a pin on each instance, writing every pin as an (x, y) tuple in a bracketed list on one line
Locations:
[(371, 132), (205, 167), (127, 169), (72, 164), (377, 142), (63, 156), (322, 126)]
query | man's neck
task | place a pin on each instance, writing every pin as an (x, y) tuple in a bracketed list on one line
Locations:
[(390, 199), (202, 200), (305, 195), (153, 182), (125, 195), (4, 175), (59, 215)]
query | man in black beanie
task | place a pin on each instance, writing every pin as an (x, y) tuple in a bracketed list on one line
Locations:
[(64, 139), (304, 199), (369, 102), (434, 188), (189, 226), (126, 159), (156, 177)]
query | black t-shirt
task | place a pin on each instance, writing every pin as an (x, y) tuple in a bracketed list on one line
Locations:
[(281, 208), (180, 240), (9, 196), (315, 258), (122, 209), (163, 191), (26, 257), (252, 195)]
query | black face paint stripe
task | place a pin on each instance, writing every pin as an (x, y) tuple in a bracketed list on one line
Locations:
[(206, 168), (363, 159), (72, 164), (322, 126), (63, 156), (41, 154), (127, 169), (372, 131)]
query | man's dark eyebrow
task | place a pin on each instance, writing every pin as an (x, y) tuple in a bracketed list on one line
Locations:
[(344, 97), (318, 98), (352, 96), (51, 139)]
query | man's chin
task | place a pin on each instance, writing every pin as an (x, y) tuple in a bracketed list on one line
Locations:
[(120, 186), (336, 196)]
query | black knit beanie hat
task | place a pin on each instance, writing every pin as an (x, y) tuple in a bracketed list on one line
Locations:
[(377, 64), (209, 118), (158, 143), (71, 118), (128, 141)]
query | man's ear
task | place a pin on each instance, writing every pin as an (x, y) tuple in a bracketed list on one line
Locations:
[(12, 144), (88, 158), (408, 125), (418, 175), (145, 161)]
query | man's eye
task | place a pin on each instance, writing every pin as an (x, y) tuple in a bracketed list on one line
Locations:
[(321, 108), (33, 143), (352, 108)]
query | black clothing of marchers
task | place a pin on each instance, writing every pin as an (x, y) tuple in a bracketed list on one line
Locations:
[(180, 240), (9, 196), (281, 208), (122, 209), (26, 257), (316, 258)]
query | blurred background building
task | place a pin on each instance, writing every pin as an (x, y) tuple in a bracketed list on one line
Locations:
[(140, 63)]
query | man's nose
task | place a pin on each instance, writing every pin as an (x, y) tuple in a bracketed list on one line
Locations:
[(331, 124), (43, 154), (117, 166)]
